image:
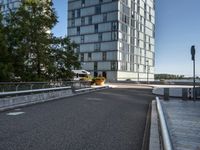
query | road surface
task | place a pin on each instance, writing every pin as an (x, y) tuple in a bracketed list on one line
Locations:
[(112, 119)]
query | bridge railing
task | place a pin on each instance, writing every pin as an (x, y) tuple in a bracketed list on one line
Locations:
[(23, 86)]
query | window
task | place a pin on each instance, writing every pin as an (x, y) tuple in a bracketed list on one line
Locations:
[(89, 56), (96, 28), (97, 47), (90, 19), (78, 13), (73, 23), (114, 26), (104, 17), (113, 66), (114, 36), (78, 30), (100, 37), (104, 56), (82, 21), (78, 48), (82, 39), (95, 65), (83, 3), (98, 9), (73, 13), (82, 56)]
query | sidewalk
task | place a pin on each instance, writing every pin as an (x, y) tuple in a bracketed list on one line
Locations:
[(183, 122)]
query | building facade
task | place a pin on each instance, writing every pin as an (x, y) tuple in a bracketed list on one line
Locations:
[(115, 37), (5, 5)]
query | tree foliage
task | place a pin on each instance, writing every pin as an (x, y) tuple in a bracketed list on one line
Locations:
[(5, 59), (29, 50)]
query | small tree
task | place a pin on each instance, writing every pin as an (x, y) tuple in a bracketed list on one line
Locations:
[(64, 59)]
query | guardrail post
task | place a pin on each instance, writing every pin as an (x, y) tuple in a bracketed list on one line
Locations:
[(190, 93), (184, 94), (166, 93), (17, 87)]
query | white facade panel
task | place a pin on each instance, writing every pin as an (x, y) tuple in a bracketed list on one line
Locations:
[(108, 46), (109, 7), (104, 65), (87, 11), (91, 38), (87, 29), (86, 47), (105, 27)]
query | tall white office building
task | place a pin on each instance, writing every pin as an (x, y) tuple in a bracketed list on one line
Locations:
[(115, 37)]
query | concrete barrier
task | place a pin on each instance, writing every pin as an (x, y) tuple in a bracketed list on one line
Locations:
[(10, 100), (34, 96)]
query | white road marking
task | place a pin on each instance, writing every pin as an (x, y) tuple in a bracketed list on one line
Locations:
[(94, 99), (15, 113)]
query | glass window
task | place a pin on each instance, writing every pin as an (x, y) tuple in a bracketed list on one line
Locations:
[(113, 66), (82, 56), (104, 56), (97, 47), (73, 23), (96, 28), (73, 13), (104, 17), (95, 65), (78, 30), (98, 9), (82, 3), (114, 36), (82, 39), (83, 21), (90, 19), (114, 26), (100, 37), (89, 56), (78, 13)]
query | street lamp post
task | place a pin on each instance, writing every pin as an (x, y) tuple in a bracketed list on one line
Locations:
[(193, 59)]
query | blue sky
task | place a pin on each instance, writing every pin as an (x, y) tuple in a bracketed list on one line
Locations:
[(177, 28)]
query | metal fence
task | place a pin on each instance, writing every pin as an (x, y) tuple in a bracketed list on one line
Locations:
[(22, 86)]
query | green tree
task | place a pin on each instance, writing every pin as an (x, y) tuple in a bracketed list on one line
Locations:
[(64, 59), (30, 38), (5, 57)]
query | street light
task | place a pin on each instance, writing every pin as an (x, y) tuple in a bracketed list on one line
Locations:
[(193, 59), (147, 65)]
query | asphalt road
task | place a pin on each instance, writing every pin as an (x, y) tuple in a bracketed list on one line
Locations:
[(111, 119)]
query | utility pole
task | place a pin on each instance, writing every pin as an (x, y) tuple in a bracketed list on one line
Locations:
[(193, 59)]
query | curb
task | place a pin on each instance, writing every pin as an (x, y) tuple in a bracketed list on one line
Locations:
[(145, 144), (154, 139)]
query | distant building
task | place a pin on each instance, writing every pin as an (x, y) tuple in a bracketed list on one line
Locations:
[(115, 37)]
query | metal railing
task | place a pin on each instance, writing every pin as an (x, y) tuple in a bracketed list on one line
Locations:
[(22, 86), (28, 92), (167, 145)]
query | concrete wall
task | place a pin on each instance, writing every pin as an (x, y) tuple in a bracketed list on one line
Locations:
[(11, 102)]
